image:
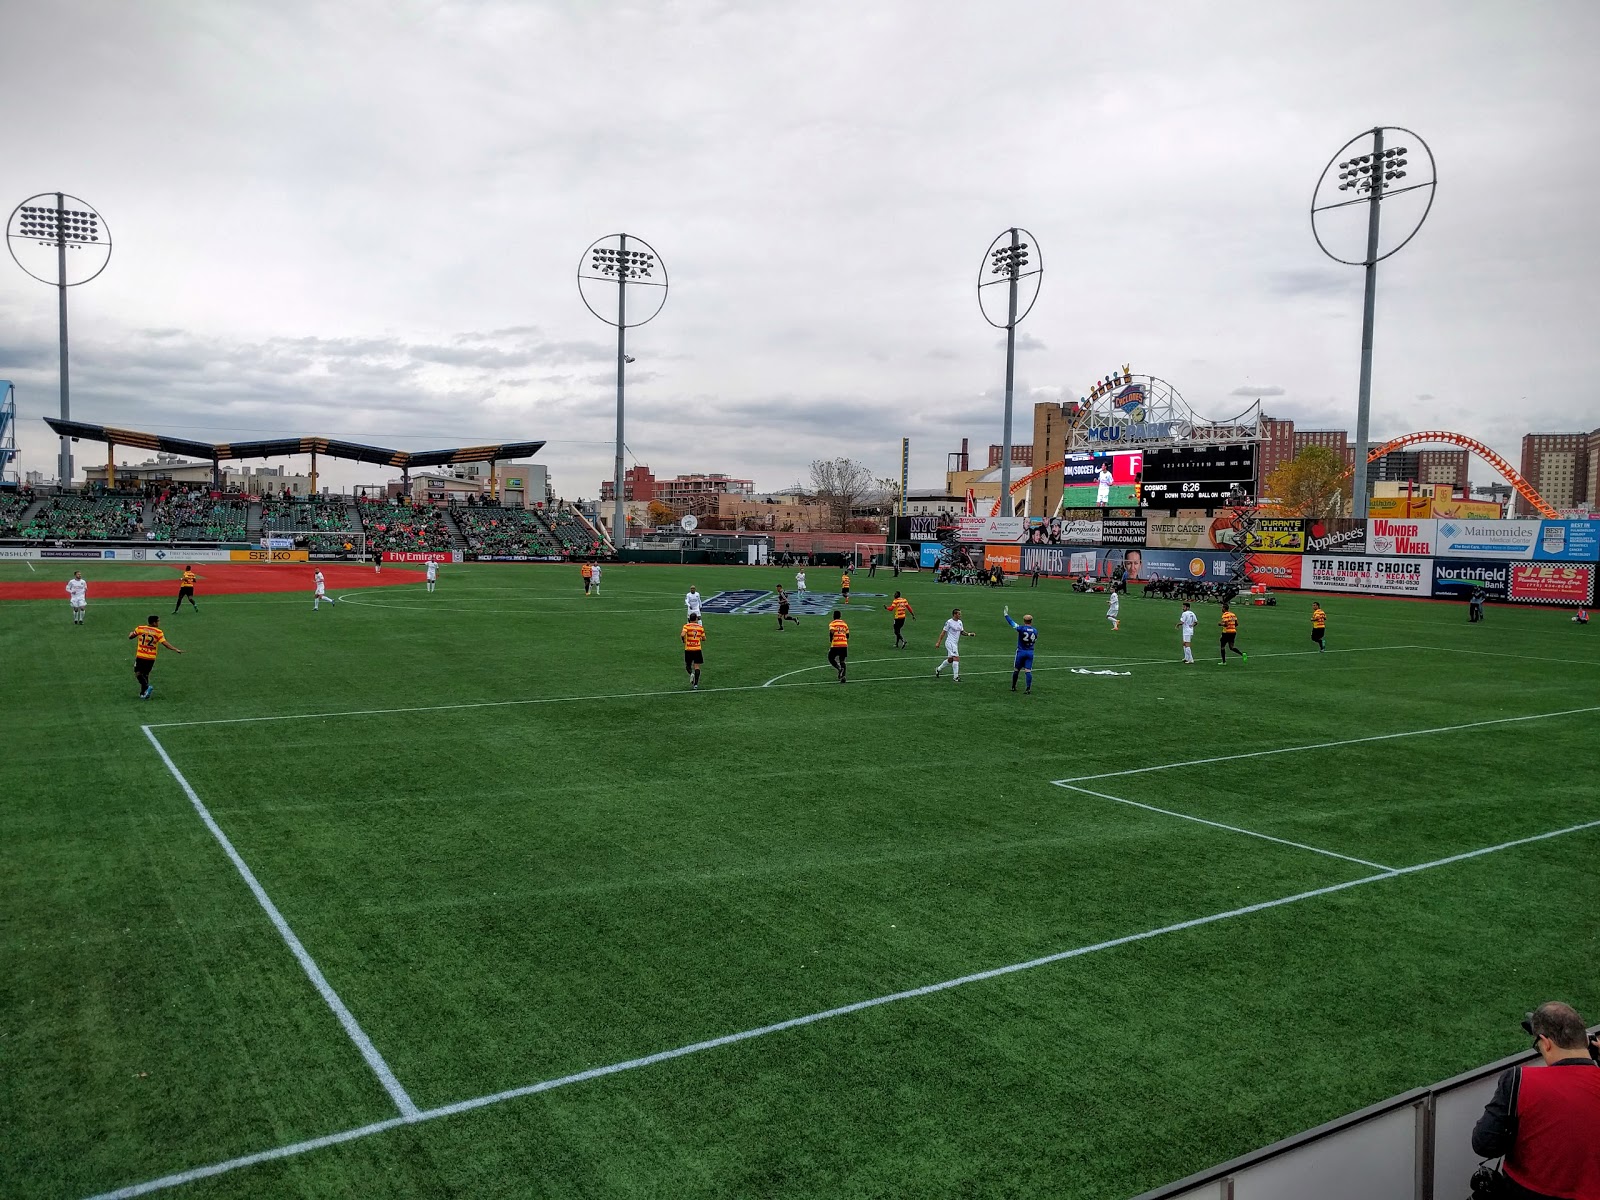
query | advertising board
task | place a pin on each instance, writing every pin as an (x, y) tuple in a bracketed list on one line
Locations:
[(928, 554), (423, 556), (1191, 530), (261, 556), (1007, 558), (1404, 536), (1329, 535), (1212, 565), (1372, 576), (507, 558), (1538, 541), (1189, 476), (1472, 510), (1122, 531), (1552, 583), (991, 529), (1278, 535), (1456, 578), (1401, 508), (1080, 480), (1275, 570)]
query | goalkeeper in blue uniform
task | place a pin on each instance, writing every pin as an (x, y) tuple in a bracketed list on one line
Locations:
[(1027, 635)]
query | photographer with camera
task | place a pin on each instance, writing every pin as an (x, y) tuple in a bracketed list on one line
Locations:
[(1545, 1122)]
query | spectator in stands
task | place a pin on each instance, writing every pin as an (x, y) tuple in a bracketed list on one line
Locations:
[(1547, 1122)]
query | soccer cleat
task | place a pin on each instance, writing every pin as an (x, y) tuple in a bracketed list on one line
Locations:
[(1244, 656), (149, 690)]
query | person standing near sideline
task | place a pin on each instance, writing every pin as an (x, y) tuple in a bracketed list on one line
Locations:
[(78, 596), (952, 632), (1475, 606), (148, 639), (1113, 608), (1319, 626), (433, 573), (1545, 1120), (1186, 623), (1230, 629), (587, 572), (594, 578)]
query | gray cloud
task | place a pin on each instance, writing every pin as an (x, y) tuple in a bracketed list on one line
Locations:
[(1257, 392)]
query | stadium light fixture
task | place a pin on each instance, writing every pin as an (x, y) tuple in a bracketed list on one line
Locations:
[(1376, 174), (621, 261), (43, 228), (1009, 263)]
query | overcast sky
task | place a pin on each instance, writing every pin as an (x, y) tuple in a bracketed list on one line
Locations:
[(363, 218)]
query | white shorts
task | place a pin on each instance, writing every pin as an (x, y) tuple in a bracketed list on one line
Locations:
[(79, 602), (694, 612), (952, 649), (1187, 638), (320, 592)]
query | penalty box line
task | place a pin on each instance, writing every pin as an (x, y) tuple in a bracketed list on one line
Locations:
[(352, 1027), (180, 1178)]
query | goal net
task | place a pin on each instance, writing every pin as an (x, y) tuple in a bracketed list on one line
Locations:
[(350, 545), (904, 554)]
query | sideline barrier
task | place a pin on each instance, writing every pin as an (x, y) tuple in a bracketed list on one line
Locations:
[(1414, 1146)]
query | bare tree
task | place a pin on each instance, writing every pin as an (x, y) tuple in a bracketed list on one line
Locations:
[(841, 484)]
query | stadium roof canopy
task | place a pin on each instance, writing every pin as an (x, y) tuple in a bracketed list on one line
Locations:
[(281, 447)]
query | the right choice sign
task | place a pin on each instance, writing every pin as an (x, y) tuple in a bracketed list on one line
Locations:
[(1376, 576)]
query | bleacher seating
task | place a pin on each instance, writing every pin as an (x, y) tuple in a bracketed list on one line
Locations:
[(491, 530), (403, 527), (307, 519), (199, 516), (12, 506), (87, 518), (576, 538)]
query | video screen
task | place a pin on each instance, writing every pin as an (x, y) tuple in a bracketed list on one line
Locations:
[(1102, 480)]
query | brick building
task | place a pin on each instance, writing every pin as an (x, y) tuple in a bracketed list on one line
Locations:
[(638, 483), (1021, 455), (1557, 465)]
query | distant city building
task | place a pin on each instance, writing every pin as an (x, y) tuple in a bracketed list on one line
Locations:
[(1021, 455), (638, 483), (1556, 465)]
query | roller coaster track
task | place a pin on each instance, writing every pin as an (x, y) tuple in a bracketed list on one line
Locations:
[(1509, 473)]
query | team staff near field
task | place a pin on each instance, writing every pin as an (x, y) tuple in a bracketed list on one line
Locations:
[(186, 589), (148, 639), (1547, 1122)]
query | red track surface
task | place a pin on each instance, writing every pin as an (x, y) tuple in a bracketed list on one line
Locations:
[(218, 579)]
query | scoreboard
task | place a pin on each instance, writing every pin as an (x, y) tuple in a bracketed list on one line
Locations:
[(1197, 477)]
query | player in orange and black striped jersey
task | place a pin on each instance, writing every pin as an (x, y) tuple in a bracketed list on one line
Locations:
[(838, 644), (186, 590), (1230, 629), (693, 637), (1319, 627), (900, 607), (148, 640)]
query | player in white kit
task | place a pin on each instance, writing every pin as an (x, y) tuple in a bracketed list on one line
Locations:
[(594, 579), (1103, 493), (799, 581), (952, 633), (691, 601), (78, 596), (1113, 608), (433, 573), (322, 592), (1186, 623)]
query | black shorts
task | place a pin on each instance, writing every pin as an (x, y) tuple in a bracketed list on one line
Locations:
[(185, 591), (783, 610), (837, 654), (899, 624), (142, 667), (1227, 639), (693, 658), (845, 592), (1317, 634)]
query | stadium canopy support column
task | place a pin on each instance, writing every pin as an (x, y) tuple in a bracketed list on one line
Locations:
[(494, 482), (1011, 363), (111, 466), (1358, 485), (619, 526), (216, 473), (313, 472)]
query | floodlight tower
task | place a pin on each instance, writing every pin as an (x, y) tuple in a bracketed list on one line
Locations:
[(612, 261), (44, 227), (1007, 263), (1373, 176)]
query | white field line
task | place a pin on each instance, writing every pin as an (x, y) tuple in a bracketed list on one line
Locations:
[(1376, 737), (352, 1028), (1097, 658), (1266, 837), (1569, 662), (183, 1177), (684, 691)]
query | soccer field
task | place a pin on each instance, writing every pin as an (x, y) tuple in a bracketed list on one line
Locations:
[(467, 895)]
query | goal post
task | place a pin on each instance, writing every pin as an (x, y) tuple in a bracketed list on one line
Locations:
[(906, 554), (349, 544)]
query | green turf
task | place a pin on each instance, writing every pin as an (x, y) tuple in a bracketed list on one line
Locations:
[(509, 893)]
